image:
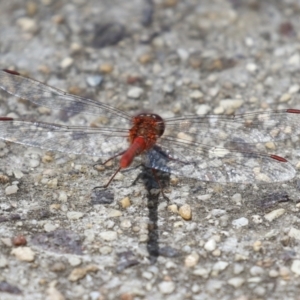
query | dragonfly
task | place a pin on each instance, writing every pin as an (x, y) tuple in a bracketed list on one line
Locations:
[(216, 148)]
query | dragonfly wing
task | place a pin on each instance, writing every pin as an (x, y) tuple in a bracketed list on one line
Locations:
[(217, 164), (44, 95), (250, 128), (100, 142)]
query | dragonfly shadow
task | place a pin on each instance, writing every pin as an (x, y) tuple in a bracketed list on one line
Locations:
[(150, 181)]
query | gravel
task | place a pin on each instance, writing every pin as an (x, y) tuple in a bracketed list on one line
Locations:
[(211, 240)]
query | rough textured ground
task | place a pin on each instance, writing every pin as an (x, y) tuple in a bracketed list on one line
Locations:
[(185, 57)]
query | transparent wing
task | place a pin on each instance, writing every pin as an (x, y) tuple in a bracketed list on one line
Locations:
[(257, 127), (217, 164), (105, 142), (44, 95)]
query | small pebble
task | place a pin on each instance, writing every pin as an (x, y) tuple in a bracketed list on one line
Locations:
[(238, 269), (294, 233), (48, 227), (294, 89), (105, 250), (125, 224), (294, 60), (79, 273), (57, 267), (168, 88), (241, 222), (251, 67), (23, 254), (27, 24), (257, 246), (274, 214), (135, 92), (33, 163), (257, 219), (191, 260), (108, 235), (145, 58), (3, 262), (53, 183), (11, 189), (237, 198), (166, 287), (125, 202), (106, 68), (295, 268), (18, 174), (74, 215), (210, 245), (256, 271), (185, 212), (74, 261), (183, 54), (202, 272), (196, 95), (273, 273), (19, 240), (114, 213), (202, 109), (173, 208), (219, 266), (66, 62), (94, 80), (236, 282), (285, 97)]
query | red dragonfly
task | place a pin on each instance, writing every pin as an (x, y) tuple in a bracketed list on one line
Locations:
[(218, 148)]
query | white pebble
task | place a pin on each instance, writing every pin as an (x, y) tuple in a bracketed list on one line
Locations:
[(135, 92), (94, 80), (236, 282), (196, 95), (23, 254), (257, 219), (191, 260), (63, 196), (231, 103), (202, 272), (33, 163), (295, 268), (274, 214), (241, 222), (11, 189), (251, 67), (125, 223), (294, 89), (108, 235), (66, 62), (237, 198), (74, 261), (220, 266), (74, 215), (166, 287), (210, 245), (294, 60), (48, 227), (183, 54), (202, 109), (18, 174), (3, 262), (294, 233)]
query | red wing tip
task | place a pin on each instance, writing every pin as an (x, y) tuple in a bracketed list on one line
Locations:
[(279, 158), (293, 111), (11, 72), (6, 119)]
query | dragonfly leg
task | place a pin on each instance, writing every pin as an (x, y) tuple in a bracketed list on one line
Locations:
[(111, 158), (109, 181)]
